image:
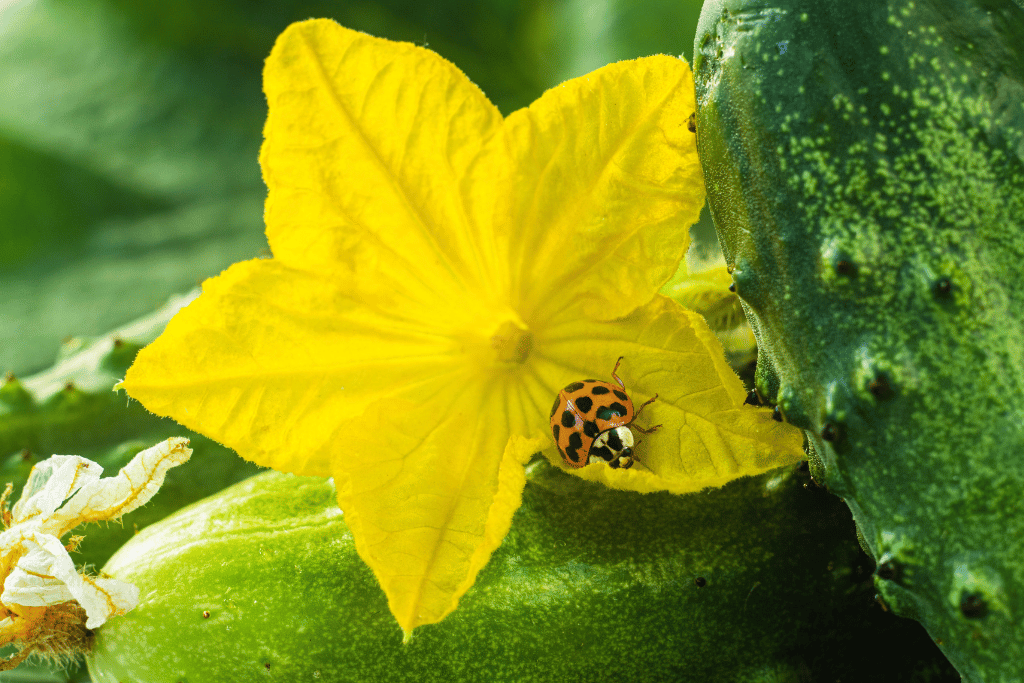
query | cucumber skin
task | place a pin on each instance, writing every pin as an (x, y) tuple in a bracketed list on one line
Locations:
[(590, 585), (864, 169)]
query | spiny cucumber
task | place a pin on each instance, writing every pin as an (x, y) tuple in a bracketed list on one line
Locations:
[(262, 580), (865, 169)]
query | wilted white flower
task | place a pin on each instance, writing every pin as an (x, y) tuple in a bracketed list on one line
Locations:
[(44, 596)]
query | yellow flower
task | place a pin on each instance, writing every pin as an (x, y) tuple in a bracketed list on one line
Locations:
[(439, 273)]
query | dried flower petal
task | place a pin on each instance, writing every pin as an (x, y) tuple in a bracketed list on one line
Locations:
[(39, 576)]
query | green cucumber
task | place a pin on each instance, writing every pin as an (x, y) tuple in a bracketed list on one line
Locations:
[(262, 582), (865, 169)]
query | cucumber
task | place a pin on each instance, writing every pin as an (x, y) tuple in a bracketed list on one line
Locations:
[(865, 170), (262, 581)]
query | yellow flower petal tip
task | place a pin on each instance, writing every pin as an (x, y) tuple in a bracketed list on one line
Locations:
[(438, 273)]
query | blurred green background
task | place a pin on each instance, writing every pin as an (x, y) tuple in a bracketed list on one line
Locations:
[(129, 131)]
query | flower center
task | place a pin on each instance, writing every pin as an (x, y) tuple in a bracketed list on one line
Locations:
[(512, 343)]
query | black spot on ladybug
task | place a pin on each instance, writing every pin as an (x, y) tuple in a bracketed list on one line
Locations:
[(584, 403), (621, 395), (890, 570), (614, 442), (700, 582), (752, 400), (575, 386), (973, 605), (777, 414), (555, 431), (554, 407), (691, 123), (575, 444), (846, 268), (568, 419), (590, 429), (599, 390), (602, 452), (590, 381), (880, 387), (732, 287), (614, 410)]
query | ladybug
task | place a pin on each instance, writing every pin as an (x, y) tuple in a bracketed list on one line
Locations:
[(590, 421)]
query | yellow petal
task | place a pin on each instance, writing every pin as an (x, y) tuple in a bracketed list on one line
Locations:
[(431, 493), (375, 167), (271, 361), (606, 186), (707, 436)]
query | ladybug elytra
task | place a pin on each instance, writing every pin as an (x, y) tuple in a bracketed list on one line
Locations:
[(591, 421)]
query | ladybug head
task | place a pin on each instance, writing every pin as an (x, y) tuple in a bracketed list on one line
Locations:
[(613, 446)]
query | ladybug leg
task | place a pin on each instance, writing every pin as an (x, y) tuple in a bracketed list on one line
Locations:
[(645, 404), (616, 377), (637, 414), (645, 431)]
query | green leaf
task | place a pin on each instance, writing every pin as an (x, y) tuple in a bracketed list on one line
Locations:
[(127, 171)]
